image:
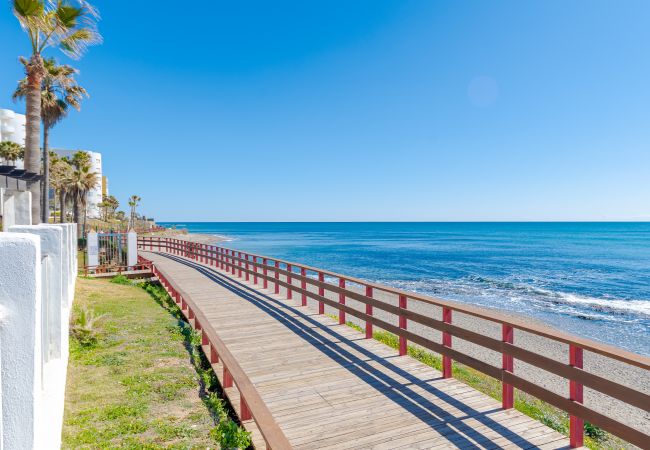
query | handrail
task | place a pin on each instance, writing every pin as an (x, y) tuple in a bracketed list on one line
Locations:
[(251, 403), (269, 270)]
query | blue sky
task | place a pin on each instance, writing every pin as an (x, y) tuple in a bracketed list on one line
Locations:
[(366, 109)]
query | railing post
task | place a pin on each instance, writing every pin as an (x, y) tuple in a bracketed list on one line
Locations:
[(232, 262), (214, 356), (321, 292), (246, 267), (222, 258), (576, 424), (508, 393), (245, 412), (341, 301), (303, 286), (446, 341), (290, 282), (369, 312), (402, 325), (255, 270), (265, 283), (239, 264), (227, 378), (277, 278)]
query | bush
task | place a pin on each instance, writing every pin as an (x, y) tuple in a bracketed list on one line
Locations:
[(83, 327), (120, 279), (229, 435)]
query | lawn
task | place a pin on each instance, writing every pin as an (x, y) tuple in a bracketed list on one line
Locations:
[(136, 385)]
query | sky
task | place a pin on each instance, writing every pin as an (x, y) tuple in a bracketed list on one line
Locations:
[(339, 110)]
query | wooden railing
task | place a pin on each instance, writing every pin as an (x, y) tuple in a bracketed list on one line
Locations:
[(251, 404), (101, 269), (298, 277)]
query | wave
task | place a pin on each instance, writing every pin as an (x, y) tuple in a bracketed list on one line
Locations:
[(518, 296)]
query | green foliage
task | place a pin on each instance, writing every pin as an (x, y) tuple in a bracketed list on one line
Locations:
[(120, 279), (10, 151), (83, 326), (230, 436)]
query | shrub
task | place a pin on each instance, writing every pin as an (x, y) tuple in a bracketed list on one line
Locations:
[(83, 326), (120, 279), (229, 435)]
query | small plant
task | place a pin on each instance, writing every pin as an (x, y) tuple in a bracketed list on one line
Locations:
[(594, 432), (83, 327), (120, 279), (229, 435)]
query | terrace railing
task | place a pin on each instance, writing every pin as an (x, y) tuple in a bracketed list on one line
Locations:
[(298, 278)]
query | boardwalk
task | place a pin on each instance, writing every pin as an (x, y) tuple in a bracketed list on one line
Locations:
[(327, 387)]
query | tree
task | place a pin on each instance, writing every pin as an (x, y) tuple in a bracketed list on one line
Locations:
[(59, 91), (80, 159), (60, 173), (108, 206), (10, 152), (69, 25), (134, 200), (81, 181)]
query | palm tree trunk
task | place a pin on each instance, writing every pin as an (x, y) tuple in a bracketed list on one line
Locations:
[(45, 203), (62, 202), (33, 131)]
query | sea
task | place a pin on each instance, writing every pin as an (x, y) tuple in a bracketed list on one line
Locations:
[(590, 279)]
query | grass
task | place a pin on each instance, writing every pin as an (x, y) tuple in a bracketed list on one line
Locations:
[(595, 438), (143, 383)]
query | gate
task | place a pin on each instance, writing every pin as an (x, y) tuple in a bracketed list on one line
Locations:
[(112, 249)]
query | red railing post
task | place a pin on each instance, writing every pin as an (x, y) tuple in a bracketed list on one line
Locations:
[(227, 378), (222, 258), (321, 292), (214, 356), (232, 262), (576, 424), (245, 412), (290, 282), (369, 312), (341, 301), (446, 341), (246, 267), (239, 264), (508, 392), (255, 270), (277, 278), (402, 325), (265, 273), (303, 286)]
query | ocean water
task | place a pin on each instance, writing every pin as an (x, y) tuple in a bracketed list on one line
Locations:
[(591, 279)]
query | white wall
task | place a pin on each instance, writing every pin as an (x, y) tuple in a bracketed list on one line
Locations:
[(36, 282)]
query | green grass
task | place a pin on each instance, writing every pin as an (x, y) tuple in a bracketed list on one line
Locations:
[(551, 416), (143, 383)]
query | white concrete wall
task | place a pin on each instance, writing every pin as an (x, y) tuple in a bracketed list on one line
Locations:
[(36, 283), (16, 208)]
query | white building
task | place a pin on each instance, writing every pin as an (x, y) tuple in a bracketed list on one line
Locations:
[(12, 128), (95, 194)]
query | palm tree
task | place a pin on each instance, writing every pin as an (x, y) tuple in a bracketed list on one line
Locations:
[(60, 172), (133, 203), (59, 91), (10, 152), (69, 25), (80, 182)]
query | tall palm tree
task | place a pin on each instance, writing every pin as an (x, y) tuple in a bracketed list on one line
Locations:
[(80, 182), (134, 200), (59, 92), (10, 151), (69, 25)]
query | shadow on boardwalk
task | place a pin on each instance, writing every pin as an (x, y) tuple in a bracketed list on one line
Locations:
[(327, 340)]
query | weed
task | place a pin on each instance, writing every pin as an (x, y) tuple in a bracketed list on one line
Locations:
[(120, 279)]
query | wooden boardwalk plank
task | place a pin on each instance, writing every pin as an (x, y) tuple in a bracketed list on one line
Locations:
[(328, 387)]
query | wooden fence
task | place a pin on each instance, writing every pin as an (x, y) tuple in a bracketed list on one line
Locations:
[(298, 277)]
